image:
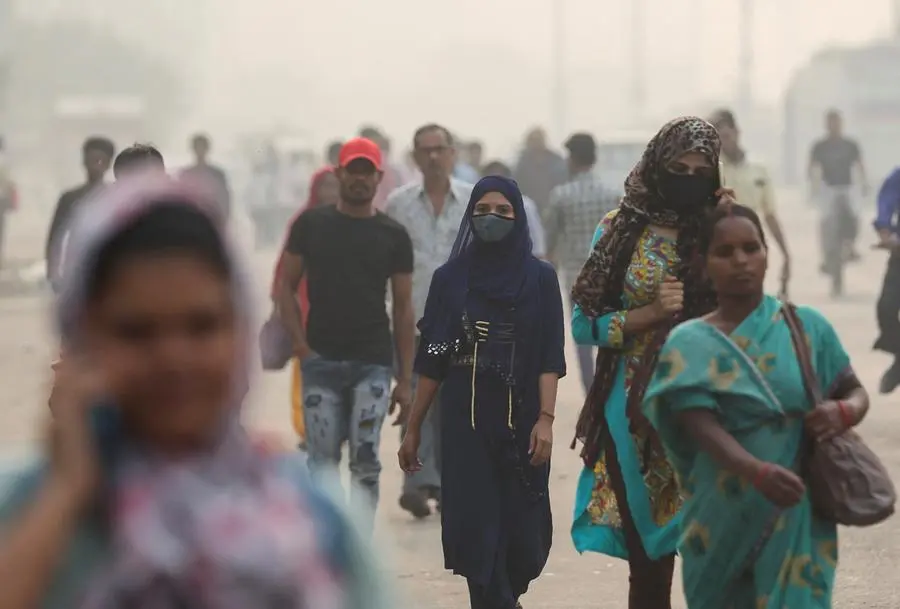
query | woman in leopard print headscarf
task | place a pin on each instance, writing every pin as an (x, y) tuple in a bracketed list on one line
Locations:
[(642, 277)]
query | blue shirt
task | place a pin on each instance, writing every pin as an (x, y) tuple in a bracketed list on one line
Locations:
[(466, 173), (889, 202)]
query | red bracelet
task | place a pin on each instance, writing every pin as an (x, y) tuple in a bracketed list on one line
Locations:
[(846, 417), (761, 474)]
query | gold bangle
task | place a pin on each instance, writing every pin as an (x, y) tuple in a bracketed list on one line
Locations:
[(552, 417)]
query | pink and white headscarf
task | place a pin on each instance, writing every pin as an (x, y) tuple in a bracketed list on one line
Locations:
[(227, 529)]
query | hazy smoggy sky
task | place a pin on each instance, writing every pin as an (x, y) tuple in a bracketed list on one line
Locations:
[(482, 66), (479, 66)]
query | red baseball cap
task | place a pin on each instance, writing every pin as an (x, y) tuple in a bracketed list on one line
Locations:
[(360, 148)]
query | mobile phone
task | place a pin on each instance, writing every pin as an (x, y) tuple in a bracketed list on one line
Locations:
[(106, 429), (104, 419)]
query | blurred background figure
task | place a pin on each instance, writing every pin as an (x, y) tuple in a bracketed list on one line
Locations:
[(462, 168), (333, 152), (202, 169), (533, 213), (837, 179), (261, 197), (9, 196), (96, 157), (888, 307), (751, 183), (573, 211), (539, 169), (395, 175), (473, 153), (324, 189), (136, 159)]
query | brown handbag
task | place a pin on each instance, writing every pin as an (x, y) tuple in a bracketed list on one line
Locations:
[(847, 482)]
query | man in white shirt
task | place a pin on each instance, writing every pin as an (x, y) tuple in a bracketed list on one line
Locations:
[(431, 210)]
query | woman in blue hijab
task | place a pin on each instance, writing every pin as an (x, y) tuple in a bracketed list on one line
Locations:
[(493, 342)]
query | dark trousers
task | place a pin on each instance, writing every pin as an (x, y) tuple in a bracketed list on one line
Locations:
[(480, 599), (888, 309), (650, 581)]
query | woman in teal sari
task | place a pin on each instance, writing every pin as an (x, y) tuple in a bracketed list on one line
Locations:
[(728, 402)]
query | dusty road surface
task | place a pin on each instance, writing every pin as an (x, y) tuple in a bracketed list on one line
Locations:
[(411, 550)]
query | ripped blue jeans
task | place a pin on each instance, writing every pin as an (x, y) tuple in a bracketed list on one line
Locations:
[(346, 400)]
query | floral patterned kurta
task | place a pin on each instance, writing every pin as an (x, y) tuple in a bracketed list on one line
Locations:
[(654, 255)]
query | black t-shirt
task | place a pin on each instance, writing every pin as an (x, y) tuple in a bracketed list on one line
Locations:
[(66, 208), (218, 180), (836, 156), (348, 263)]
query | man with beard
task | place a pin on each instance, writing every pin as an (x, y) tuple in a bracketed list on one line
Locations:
[(348, 253), (96, 156)]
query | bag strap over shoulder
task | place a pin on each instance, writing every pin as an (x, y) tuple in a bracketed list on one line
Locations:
[(803, 352), (811, 384)]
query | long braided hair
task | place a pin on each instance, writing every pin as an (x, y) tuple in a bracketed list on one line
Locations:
[(599, 287)]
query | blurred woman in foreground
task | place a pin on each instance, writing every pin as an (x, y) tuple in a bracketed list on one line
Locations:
[(152, 494), (729, 403), (324, 189)]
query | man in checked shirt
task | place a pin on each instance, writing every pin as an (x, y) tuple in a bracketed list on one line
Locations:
[(570, 218)]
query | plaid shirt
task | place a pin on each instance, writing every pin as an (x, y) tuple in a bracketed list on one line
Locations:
[(572, 214)]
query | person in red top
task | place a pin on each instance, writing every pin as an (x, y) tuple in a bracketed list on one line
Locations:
[(324, 189)]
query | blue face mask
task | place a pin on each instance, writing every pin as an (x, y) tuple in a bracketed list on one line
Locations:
[(491, 228)]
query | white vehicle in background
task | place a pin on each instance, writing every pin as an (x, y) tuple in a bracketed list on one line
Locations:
[(617, 154)]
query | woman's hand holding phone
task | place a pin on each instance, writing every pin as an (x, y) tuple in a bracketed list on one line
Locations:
[(75, 462)]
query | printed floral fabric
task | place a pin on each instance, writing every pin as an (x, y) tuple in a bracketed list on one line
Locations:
[(652, 259), (737, 548)]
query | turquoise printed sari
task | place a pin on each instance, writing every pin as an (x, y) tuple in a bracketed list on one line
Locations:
[(739, 550)]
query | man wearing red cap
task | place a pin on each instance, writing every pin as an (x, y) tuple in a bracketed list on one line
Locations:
[(349, 253)]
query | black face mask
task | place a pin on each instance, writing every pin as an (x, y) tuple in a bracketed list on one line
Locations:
[(683, 192)]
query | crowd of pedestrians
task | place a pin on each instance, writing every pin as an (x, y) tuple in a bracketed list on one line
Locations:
[(437, 296)]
